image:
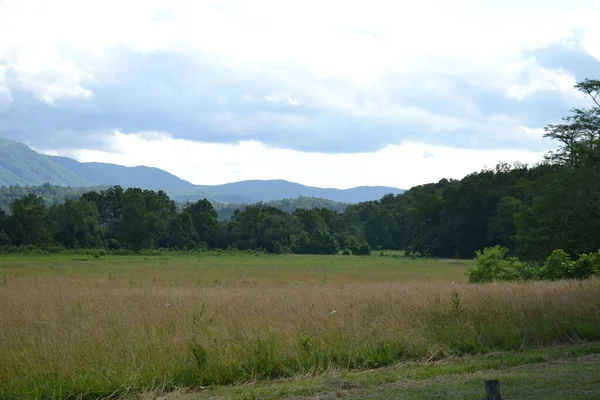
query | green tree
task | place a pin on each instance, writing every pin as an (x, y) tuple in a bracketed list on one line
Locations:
[(77, 224), (29, 222), (204, 221), (5, 239)]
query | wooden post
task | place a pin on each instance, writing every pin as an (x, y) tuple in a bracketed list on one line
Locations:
[(492, 390)]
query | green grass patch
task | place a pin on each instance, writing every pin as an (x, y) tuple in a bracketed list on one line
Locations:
[(86, 327)]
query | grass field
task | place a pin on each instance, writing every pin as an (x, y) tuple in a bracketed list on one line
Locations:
[(85, 327)]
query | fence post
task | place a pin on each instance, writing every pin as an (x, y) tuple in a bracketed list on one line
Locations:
[(492, 390)]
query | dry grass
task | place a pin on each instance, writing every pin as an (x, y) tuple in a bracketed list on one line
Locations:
[(95, 327)]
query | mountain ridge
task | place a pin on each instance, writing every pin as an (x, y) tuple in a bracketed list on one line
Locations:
[(20, 165)]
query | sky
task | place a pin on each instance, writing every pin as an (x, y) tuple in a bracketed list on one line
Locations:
[(326, 93)]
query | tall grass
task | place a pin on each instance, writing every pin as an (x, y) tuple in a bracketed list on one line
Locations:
[(86, 331)]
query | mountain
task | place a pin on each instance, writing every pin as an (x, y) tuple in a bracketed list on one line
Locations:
[(225, 211), (20, 165), (111, 174), (269, 190)]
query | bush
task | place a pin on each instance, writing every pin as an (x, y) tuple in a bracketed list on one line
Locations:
[(527, 271), (346, 252), (557, 266), (596, 266), (491, 265), (584, 267), (364, 250)]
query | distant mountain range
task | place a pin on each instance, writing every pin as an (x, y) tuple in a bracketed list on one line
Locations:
[(20, 165)]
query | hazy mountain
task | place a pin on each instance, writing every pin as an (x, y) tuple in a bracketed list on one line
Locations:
[(20, 165), (226, 211), (269, 190), (111, 174)]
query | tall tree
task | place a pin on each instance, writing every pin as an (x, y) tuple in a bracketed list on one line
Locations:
[(29, 222), (77, 224), (204, 220)]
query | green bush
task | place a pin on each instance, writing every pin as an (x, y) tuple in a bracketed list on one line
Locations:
[(346, 253), (584, 267), (527, 271), (596, 265), (557, 266), (491, 264), (364, 250)]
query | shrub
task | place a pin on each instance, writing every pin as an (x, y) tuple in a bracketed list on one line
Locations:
[(527, 271), (364, 250), (596, 266), (584, 267), (557, 266), (491, 265), (346, 252)]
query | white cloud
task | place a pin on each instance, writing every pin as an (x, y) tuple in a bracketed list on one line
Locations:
[(5, 94), (387, 67), (401, 166), (356, 42)]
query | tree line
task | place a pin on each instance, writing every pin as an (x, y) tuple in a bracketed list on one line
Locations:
[(529, 210), (53, 194), (136, 219)]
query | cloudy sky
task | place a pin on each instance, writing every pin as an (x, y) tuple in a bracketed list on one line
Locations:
[(328, 93)]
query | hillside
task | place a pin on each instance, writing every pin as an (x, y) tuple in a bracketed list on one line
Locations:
[(226, 211), (22, 166), (254, 191), (111, 174)]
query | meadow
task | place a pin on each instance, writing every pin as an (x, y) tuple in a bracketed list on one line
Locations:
[(79, 326)]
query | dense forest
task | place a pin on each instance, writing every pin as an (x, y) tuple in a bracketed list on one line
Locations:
[(530, 210)]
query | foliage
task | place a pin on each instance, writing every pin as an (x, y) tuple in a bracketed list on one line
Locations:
[(557, 266), (491, 264), (364, 250)]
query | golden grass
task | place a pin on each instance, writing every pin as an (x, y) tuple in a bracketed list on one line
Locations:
[(171, 323)]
